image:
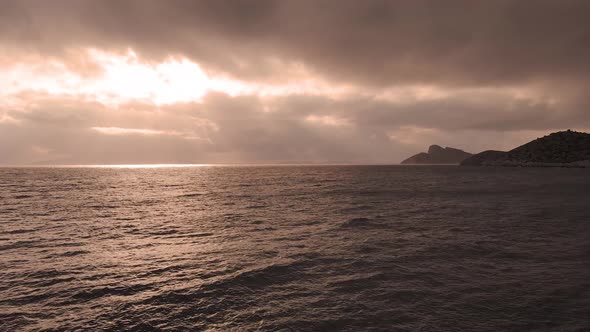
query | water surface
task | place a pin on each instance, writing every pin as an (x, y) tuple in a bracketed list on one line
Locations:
[(375, 248)]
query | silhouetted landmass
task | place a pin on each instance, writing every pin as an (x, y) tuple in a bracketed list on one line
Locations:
[(438, 155), (485, 157), (560, 149)]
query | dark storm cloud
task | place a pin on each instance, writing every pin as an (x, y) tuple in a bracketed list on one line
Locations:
[(377, 43)]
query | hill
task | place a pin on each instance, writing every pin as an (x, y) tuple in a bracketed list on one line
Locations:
[(437, 155), (564, 148)]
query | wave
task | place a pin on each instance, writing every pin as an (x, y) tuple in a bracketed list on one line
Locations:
[(97, 292), (188, 195), (75, 253), (361, 222), (23, 196)]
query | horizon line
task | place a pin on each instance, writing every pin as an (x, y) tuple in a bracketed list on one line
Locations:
[(177, 165)]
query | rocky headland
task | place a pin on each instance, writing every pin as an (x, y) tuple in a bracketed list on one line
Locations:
[(438, 155)]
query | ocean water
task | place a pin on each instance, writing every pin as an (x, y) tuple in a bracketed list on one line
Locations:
[(295, 248)]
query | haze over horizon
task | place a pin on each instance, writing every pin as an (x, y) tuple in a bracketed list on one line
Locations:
[(204, 82)]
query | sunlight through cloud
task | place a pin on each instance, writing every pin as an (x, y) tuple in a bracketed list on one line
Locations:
[(124, 77), (130, 131)]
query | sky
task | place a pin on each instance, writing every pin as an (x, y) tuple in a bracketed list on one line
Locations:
[(285, 81)]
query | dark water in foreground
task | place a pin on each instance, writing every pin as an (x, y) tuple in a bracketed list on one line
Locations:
[(295, 249)]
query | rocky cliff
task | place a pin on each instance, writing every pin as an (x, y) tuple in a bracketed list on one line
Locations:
[(438, 155)]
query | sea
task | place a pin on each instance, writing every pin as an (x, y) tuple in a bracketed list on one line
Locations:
[(294, 248)]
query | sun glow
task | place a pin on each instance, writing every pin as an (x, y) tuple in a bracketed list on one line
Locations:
[(327, 120), (127, 131), (118, 78), (169, 82)]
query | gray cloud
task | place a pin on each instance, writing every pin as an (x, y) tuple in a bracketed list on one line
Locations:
[(379, 43), (253, 129)]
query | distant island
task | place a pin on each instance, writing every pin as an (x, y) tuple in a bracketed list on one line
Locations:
[(561, 149), (437, 155)]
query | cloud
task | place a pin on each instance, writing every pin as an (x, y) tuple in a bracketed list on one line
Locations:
[(134, 81), (266, 129), (130, 131), (378, 43)]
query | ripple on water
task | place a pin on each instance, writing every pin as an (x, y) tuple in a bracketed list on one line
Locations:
[(294, 249)]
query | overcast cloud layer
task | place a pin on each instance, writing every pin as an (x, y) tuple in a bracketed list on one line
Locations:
[(388, 78)]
